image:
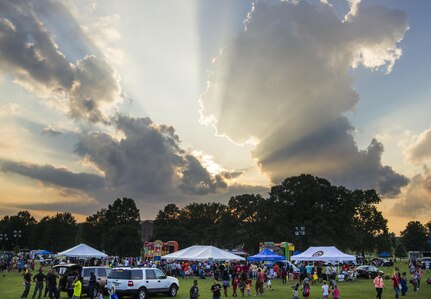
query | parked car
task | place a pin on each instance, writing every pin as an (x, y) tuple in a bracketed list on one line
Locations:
[(426, 261), (68, 272), (368, 271), (141, 282)]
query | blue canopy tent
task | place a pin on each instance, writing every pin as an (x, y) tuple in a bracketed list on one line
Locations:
[(385, 254), (266, 255)]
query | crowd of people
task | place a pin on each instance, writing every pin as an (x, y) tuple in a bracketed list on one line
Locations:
[(230, 279)]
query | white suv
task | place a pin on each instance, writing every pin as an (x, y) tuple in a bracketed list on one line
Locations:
[(141, 282)]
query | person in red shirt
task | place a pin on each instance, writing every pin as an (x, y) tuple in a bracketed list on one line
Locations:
[(396, 282)]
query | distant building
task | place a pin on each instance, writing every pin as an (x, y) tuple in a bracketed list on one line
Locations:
[(147, 227)]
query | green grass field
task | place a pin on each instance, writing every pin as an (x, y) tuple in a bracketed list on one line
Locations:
[(11, 288)]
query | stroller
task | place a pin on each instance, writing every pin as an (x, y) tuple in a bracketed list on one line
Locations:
[(347, 275)]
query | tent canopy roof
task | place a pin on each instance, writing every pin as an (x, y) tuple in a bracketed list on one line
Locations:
[(323, 253), (201, 253), (266, 255), (82, 250), (385, 254)]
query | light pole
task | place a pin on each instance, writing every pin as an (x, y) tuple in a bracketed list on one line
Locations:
[(300, 232), (3, 239), (17, 235)]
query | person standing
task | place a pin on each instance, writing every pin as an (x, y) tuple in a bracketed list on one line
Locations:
[(77, 288), (379, 285), (225, 283), (194, 290), (92, 284), (336, 292), (39, 278), (27, 283), (325, 290), (403, 284), (284, 275), (51, 279), (215, 289), (414, 281), (396, 282), (306, 288), (260, 280)]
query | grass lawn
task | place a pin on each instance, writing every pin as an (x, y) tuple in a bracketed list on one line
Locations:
[(11, 288)]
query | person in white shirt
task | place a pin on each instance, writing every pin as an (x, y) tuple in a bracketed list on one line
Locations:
[(325, 290)]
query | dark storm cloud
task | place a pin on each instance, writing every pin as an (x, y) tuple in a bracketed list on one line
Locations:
[(197, 180), (148, 160), (331, 152), (29, 51), (48, 174), (284, 83)]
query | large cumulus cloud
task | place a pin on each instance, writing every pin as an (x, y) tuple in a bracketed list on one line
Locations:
[(147, 160), (420, 150), (30, 53), (416, 198), (284, 83)]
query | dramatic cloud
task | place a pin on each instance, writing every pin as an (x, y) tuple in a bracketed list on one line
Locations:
[(284, 84), (416, 198), (148, 160), (55, 176), (29, 52), (420, 151)]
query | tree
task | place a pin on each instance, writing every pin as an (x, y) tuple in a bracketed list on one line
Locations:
[(167, 224), (400, 251), (324, 210), (247, 222), (23, 221), (91, 231), (414, 236), (120, 223), (368, 224)]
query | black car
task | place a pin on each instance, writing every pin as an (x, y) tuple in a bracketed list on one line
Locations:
[(368, 271)]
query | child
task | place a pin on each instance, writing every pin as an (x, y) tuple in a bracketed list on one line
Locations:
[(315, 277), (295, 288), (248, 287), (268, 282), (112, 294), (194, 290), (325, 290), (336, 292), (235, 282)]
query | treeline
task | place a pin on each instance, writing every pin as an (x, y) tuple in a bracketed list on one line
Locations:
[(331, 215), (115, 230)]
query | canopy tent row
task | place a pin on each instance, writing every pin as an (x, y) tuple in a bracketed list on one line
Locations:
[(202, 253), (83, 251), (266, 255), (324, 254)]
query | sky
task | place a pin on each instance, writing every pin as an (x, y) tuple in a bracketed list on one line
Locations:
[(198, 101)]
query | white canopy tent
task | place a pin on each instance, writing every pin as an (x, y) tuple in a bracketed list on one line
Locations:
[(202, 253), (324, 254), (83, 251)]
